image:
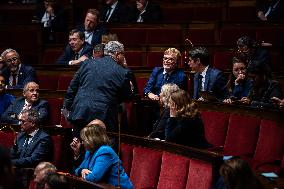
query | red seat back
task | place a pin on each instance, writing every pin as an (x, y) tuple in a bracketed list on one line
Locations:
[(126, 156), (223, 60), (141, 83), (241, 136), (174, 170), (55, 105), (49, 82), (7, 139), (58, 152), (64, 81), (145, 170)]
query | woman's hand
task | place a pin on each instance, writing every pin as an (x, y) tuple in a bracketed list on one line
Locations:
[(228, 101), (84, 173), (173, 109), (75, 146), (245, 100), (240, 78), (152, 96)]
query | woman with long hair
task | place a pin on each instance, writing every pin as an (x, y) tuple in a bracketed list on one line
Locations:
[(100, 164), (185, 125)]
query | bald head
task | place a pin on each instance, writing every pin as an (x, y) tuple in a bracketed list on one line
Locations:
[(98, 123)]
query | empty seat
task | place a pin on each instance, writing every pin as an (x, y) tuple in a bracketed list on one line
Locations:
[(241, 13), (223, 60), (126, 156), (155, 58), (58, 147), (164, 36), (241, 136), (50, 55), (135, 58), (141, 83), (64, 81), (174, 170), (55, 105), (273, 34), (270, 146), (146, 165), (49, 82), (230, 35), (201, 36), (215, 125), (131, 36), (7, 139)]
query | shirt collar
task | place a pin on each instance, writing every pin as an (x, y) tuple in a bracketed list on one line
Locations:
[(113, 5), (32, 134), (204, 72)]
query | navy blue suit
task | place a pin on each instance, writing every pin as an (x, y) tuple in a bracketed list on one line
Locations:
[(96, 90), (214, 82), (17, 106), (97, 34), (5, 101), (26, 74), (157, 80), (69, 54), (39, 149), (120, 13)]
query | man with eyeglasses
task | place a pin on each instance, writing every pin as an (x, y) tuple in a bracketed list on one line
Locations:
[(169, 73), (32, 144), (16, 73), (29, 100)]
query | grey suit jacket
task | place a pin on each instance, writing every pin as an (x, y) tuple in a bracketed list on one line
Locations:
[(96, 90)]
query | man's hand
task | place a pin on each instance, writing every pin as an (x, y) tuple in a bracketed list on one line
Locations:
[(261, 16), (152, 96), (77, 62), (278, 101), (245, 100)]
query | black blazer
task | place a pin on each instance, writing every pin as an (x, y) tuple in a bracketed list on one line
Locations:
[(120, 13), (69, 54), (153, 13), (97, 35), (26, 74), (96, 90), (39, 149), (17, 106)]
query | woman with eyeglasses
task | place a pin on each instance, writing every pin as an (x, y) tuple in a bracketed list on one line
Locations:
[(100, 164)]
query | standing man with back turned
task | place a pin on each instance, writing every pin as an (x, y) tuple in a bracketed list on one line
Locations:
[(97, 88)]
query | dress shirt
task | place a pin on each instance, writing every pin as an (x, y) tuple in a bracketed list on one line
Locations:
[(11, 78), (203, 74), (89, 37), (112, 7), (140, 19)]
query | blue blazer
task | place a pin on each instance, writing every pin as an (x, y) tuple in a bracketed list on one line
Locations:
[(69, 54), (39, 149), (214, 82), (5, 102), (17, 106), (96, 90), (97, 35), (26, 74), (156, 80), (103, 165), (120, 13)]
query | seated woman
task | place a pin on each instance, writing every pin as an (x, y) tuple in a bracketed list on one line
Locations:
[(237, 174), (160, 124), (263, 88), (185, 126), (238, 84), (100, 164)]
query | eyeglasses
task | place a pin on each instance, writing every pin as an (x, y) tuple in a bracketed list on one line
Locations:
[(12, 59), (168, 59)]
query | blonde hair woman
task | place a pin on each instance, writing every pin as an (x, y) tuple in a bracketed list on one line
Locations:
[(100, 162), (185, 126)]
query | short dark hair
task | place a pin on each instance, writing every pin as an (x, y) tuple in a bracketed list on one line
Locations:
[(201, 53), (246, 41), (99, 48), (32, 114), (55, 180), (81, 34)]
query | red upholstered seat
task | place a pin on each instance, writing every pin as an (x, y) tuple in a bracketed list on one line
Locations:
[(270, 145), (141, 83), (201, 35), (55, 105), (223, 60), (239, 13), (199, 175), (49, 82), (230, 35), (64, 81), (7, 139), (131, 36), (241, 136), (58, 152), (174, 170), (32, 185), (276, 61), (126, 156), (50, 55), (215, 125), (164, 36), (155, 58), (145, 170), (271, 34), (135, 58)]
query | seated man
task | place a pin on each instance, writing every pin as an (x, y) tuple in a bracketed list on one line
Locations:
[(16, 74), (29, 100), (92, 28), (40, 174), (5, 99), (206, 78), (77, 50), (32, 144), (169, 73)]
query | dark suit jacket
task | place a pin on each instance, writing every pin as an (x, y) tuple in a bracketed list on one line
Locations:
[(120, 13), (96, 90), (69, 54), (39, 149), (275, 14), (26, 74), (97, 35), (153, 13), (17, 106), (215, 82), (156, 80)]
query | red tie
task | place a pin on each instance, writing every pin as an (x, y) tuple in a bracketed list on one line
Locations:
[(14, 79)]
